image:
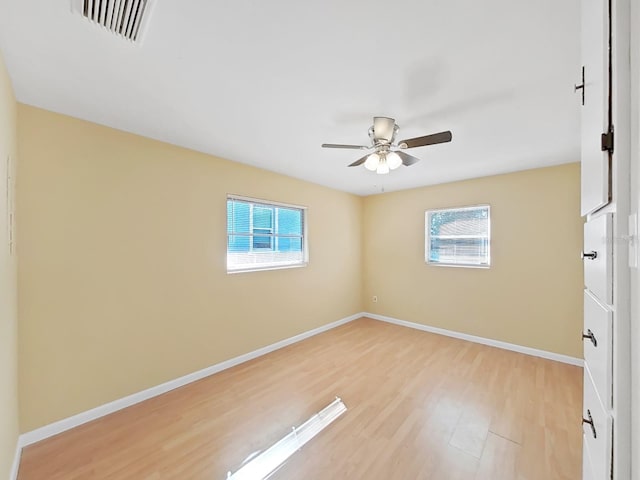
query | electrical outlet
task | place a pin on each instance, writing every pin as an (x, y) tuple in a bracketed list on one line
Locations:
[(375, 299)]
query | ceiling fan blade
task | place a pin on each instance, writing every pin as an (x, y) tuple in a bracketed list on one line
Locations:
[(442, 137), (407, 160), (360, 161), (352, 147)]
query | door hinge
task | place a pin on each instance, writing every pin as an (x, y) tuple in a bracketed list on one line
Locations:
[(607, 141)]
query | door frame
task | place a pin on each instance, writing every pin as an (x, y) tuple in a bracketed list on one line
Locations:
[(634, 163), (622, 190)]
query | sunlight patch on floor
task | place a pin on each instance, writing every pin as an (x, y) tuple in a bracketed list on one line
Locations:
[(262, 465)]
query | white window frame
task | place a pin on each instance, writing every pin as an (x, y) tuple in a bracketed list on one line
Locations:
[(273, 229), (427, 239), (270, 203)]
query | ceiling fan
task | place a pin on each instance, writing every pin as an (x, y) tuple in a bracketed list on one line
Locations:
[(388, 155)]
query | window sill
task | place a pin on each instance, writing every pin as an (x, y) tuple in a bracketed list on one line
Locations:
[(263, 269), (458, 265)]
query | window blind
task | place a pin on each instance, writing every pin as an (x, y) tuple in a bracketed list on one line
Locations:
[(458, 236), (262, 235)]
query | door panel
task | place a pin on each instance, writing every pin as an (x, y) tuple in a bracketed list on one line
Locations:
[(598, 346), (598, 258), (595, 116), (598, 438), (587, 468)]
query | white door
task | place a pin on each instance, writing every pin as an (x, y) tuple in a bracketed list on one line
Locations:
[(594, 89), (598, 418)]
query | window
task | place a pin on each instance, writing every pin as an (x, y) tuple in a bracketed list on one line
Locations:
[(263, 235), (458, 236), (263, 223)]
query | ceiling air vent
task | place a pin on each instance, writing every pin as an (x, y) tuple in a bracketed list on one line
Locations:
[(125, 18)]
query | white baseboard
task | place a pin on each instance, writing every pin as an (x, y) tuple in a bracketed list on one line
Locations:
[(485, 341), (13, 475), (65, 424)]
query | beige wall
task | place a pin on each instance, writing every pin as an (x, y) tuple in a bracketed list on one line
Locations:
[(8, 315), (531, 295), (122, 280)]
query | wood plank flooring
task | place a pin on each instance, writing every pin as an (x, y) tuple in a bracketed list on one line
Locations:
[(420, 406)]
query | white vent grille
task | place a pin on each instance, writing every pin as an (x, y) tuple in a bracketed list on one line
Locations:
[(125, 18)]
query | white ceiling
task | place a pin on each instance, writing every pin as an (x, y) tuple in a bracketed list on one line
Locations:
[(266, 82)]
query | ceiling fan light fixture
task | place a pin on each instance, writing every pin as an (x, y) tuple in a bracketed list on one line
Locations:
[(383, 167), (372, 162), (393, 160)]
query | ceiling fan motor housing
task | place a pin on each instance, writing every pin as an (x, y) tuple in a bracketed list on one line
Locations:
[(383, 130)]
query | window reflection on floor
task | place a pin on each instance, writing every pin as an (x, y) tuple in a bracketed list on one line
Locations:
[(262, 465)]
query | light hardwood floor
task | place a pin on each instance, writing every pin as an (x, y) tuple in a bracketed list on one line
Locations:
[(420, 406)]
